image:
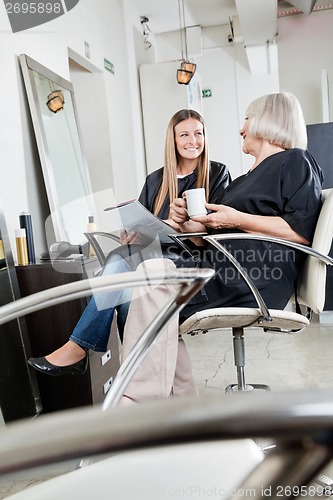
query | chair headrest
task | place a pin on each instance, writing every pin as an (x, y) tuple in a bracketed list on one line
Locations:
[(312, 282)]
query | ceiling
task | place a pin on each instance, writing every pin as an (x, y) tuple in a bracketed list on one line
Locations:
[(163, 15)]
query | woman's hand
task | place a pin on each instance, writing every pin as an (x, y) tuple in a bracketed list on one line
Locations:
[(179, 216), (131, 238), (222, 217), (178, 211)]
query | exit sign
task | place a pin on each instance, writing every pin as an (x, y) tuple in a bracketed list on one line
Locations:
[(108, 65), (206, 93)]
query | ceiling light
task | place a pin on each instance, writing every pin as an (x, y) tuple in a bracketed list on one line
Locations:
[(184, 76), (187, 68)]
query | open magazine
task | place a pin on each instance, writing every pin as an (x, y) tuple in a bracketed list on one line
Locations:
[(133, 216)]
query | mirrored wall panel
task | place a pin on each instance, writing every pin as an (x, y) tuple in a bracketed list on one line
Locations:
[(53, 111)]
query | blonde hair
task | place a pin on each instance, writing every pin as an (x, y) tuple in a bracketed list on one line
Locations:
[(169, 185), (278, 118)]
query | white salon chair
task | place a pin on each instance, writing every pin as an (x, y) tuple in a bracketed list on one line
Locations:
[(311, 289), (195, 447), (310, 294)]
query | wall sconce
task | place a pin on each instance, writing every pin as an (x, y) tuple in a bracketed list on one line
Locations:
[(187, 69), (55, 101)]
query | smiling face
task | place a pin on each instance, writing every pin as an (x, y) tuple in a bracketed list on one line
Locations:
[(189, 138)]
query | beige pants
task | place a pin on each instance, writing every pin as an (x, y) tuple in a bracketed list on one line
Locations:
[(166, 370)]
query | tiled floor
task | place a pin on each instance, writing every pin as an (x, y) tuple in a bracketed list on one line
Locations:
[(284, 362)]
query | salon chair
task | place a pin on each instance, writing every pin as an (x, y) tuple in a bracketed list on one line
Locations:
[(183, 447), (309, 299), (310, 294)]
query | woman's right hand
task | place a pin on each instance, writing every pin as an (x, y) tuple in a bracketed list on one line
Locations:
[(179, 215), (131, 238), (178, 212)]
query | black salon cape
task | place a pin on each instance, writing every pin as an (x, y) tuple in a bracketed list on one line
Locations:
[(287, 184), (219, 178)]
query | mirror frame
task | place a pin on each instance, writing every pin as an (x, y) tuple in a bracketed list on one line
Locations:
[(29, 66)]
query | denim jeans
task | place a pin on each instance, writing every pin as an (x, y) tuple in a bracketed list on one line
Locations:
[(93, 328)]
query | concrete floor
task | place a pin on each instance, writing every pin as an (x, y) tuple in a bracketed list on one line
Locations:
[(283, 361)]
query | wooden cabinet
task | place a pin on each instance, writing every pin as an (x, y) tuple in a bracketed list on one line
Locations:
[(50, 328)]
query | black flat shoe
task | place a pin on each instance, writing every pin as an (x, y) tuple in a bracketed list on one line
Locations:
[(42, 365)]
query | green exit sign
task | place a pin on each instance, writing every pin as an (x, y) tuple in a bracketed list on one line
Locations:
[(108, 65), (206, 93)]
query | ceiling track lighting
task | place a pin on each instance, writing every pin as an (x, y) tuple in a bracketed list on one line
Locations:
[(187, 68), (55, 101), (146, 31)]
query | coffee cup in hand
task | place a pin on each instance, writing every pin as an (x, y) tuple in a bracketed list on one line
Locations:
[(196, 202)]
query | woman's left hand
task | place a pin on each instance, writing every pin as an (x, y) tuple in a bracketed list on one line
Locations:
[(222, 217)]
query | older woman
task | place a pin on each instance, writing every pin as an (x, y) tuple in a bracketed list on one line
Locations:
[(279, 196)]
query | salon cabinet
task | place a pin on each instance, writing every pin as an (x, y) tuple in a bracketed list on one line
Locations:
[(50, 328)]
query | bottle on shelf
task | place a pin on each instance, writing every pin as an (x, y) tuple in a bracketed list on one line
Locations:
[(21, 247), (91, 227), (26, 223)]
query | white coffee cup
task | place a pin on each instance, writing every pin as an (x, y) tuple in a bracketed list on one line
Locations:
[(195, 200)]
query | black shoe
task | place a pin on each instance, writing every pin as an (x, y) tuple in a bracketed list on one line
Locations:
[(42, 365)]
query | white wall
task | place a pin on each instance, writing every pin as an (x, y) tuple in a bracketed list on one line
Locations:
[(305, 48), (161, 97), (100, 23)]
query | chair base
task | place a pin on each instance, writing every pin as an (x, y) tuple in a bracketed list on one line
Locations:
[(248, 388)]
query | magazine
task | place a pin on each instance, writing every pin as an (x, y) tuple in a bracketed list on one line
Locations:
[(133, 216)]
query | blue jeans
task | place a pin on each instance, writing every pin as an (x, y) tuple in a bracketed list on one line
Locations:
[(93, 328)]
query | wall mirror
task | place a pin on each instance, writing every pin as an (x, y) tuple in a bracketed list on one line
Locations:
[(19, 395), (66, 176)]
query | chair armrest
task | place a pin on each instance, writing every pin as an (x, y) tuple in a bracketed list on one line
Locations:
[(246, 236), (91, 237), (178, 238), (212, 239), (217, 238), (188, 235), (300, 422), (188, 278), (190, 281)]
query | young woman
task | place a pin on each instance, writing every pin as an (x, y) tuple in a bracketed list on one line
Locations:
[(186, 166)]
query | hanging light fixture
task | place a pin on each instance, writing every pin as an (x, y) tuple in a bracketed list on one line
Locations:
[(187, 69), (55, 101)]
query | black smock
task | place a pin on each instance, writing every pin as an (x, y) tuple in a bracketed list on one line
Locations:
[(219, 178), (288, 185)]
